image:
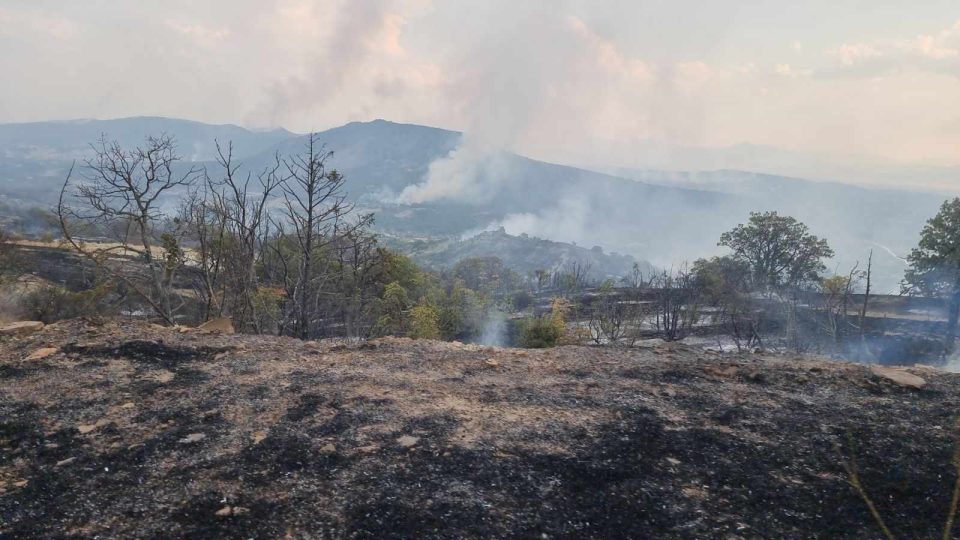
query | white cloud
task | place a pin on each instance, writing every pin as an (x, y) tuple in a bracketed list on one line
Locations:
[(853, 53), (21, 20), (570, 81), (205, 36)]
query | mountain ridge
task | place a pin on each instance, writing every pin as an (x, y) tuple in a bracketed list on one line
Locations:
[(665, 217)]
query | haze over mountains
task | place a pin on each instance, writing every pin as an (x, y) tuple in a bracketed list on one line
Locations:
[(405, 173)]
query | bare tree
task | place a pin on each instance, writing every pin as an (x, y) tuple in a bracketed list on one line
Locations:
[(676, 304), (120, 192), (573, 278), (240, 211), (315, 209), (866, 296), (616, 316)]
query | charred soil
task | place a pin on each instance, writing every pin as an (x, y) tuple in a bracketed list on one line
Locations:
[(135, 431)]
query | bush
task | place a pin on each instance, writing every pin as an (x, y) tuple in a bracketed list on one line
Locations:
[(424, 321), (521, 300), (540, 332), (53, 303)]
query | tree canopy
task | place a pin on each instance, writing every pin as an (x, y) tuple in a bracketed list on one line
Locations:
[(935, 262), (779, 250)]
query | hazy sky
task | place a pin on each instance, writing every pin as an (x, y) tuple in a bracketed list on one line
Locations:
[(553, 79)]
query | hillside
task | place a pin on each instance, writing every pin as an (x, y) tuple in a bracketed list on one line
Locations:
[(660, 216), (126, 430), (524, 254)]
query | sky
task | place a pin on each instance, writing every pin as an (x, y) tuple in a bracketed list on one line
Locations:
[(564, 80)]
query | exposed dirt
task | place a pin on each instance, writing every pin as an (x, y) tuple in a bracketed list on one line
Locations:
[(133, 431)]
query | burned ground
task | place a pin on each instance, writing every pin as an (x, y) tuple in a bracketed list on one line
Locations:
[(133, 431)]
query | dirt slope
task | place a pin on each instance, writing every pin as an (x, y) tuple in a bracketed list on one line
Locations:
[(132, 431)]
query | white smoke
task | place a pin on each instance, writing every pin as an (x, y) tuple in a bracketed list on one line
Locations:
[(500, 91), (494, 330), (471, 172)]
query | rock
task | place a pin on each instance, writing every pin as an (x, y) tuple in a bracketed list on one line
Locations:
[(492, 363), (21, 483), (64, 462), (192, 438), (86, 428), (328, 449), (40, 354), (408, 441), (899, 377), (161, 376), (926, 367), (228, 510), (20, 328), (222, 325)]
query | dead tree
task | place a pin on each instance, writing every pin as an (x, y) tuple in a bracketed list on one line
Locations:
[(616, 316), (358, 264), (207, 229), (120, 192), (676, 303), (241, 204), (866, 296), (315, 207), (573, 278)]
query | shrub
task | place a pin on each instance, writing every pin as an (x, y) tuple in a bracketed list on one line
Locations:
[(539, 332), (521, 300), (424, 321), (53, 303)]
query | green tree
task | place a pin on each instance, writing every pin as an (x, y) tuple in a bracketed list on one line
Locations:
[(394, 305), (461, 312), (935, 263), (424, 321), (779, 250)]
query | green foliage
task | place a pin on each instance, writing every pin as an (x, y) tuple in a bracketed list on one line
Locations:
[(424, 321), (393, 306), (462, 312), (487, 275), (722, 279), (539, 332), (398, 268), (53, 303), (779, 250), (267, 306), (547, 330), (173, 255), (935, 262)]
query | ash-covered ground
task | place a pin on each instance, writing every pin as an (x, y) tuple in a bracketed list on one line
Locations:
[(128, 430)]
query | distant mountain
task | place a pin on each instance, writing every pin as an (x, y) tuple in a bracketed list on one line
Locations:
[(67, 140), (35, 156), (854, 219), (850, 169), (662, 217)]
